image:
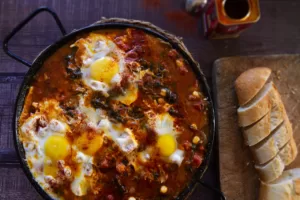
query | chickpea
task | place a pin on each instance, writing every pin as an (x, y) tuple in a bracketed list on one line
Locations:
[(163, 189), (196, 140), (196, 94)]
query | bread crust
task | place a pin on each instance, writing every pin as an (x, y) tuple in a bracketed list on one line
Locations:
[(250, 82), (270, 171), (252, 113)]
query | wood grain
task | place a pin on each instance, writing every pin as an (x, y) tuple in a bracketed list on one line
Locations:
[(237, 174)]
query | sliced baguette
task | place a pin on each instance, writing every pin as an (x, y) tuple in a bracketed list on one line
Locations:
[(261, 129), (286, 187), (269, 148), (255, 133), (250, 82), (271, 170), (257, 107)]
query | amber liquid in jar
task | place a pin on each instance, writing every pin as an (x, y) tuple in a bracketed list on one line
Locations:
[(228, 18)]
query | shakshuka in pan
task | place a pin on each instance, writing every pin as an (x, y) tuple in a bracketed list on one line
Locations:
[(114, 114)]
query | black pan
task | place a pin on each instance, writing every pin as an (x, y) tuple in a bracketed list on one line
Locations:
[(109, 24)]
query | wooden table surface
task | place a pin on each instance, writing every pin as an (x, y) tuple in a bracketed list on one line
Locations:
[(278, 31)]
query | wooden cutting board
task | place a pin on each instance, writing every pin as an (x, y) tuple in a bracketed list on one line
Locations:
[(238, 177)]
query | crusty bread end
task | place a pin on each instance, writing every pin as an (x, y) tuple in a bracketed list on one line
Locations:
[(257, 108), (250, 82)]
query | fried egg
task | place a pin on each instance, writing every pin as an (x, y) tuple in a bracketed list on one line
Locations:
[(104, 67), (45, 143), (103, 62), (163, 125)]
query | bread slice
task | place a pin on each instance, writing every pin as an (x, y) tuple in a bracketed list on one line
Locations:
[(269, 148), (257, 107), (250, 82), (286, 187), (271, 170), (255, 133), (289, 152), (261, 129)]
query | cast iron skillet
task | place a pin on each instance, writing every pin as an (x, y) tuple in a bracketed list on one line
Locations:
[(47, 52)]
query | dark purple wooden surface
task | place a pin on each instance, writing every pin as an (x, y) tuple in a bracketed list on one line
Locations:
[(278, 31)]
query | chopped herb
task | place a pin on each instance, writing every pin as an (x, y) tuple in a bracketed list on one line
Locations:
[(74, 73), (172, 111), (115, 115), (170, 97), (99, 101), (136, 112), (155, 175), (125, 161), (194, 147), (188, 168)]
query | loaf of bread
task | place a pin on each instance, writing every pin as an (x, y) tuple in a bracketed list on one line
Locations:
[(286, 187), (265, 124)]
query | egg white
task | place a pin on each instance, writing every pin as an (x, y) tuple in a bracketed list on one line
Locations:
[(92, 115), (123, 137), (79, 185)]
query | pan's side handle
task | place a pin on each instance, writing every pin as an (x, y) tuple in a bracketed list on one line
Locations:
[(21, 25), (220, 193)]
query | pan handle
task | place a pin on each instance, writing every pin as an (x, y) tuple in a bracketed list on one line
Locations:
[(220, 193), (21, 25)]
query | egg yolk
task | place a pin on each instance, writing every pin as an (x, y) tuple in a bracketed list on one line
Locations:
[(49, 168), (130, 96), (57, 147), (89, 143), (104, 69), (166, 144)]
